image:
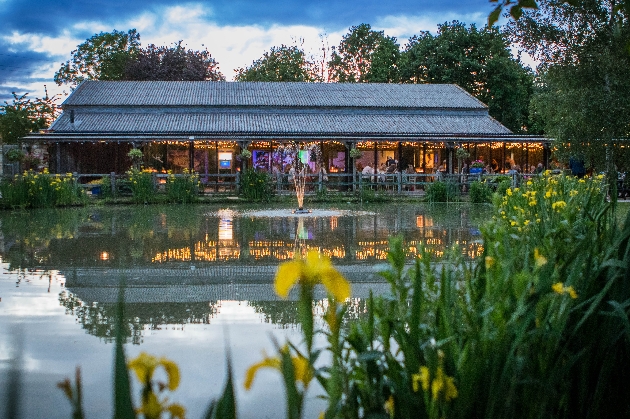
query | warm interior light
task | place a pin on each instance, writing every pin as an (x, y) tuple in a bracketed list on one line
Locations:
[(104, 256)]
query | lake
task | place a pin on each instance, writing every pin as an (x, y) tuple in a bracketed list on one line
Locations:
[(197, 279)]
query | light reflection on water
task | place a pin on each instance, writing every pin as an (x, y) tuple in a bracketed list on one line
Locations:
[(193, 275)]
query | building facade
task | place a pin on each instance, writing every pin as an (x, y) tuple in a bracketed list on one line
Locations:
[(205, 126)]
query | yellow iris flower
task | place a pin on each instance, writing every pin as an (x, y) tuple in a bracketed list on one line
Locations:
[(144, 366), (441, 383), (314, 268), (301, 367)]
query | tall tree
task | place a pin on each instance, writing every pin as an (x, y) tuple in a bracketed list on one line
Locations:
[(104, 56), (172, 64), (480, 61), (365, 56), (584, 96), (283, 63), (24, 115)]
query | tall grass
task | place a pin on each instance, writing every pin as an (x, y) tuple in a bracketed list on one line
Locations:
[(41, 190)]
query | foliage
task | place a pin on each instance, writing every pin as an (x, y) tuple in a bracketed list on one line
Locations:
[(117, 55), (283, 63), (583, 97), (182, 189), (480, 193), (40, 190), (503, 186), (24, 115), (478, 164), (479, 61), (440, 191), (365, 55), (104, 56), (174, 63), (142, 186), (355, 153), (256, 186), (15, 155)]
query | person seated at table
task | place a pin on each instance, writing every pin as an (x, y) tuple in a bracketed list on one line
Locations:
[(366, 172)]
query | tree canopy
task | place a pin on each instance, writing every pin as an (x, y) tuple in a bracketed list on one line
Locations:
[(24, 115), (480, 61), (583, 98), (104, 56), (118, 55), (172, 64), (365, 56), (283, 63)]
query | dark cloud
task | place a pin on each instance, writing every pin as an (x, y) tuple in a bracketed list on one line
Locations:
[(18, 67), (50, 17)]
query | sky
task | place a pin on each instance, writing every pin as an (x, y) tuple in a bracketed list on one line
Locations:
[(37, 36)]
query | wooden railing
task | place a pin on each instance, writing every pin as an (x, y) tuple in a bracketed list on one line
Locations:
[(228, 184)]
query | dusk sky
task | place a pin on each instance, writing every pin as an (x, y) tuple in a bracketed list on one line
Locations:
[(37, 36)]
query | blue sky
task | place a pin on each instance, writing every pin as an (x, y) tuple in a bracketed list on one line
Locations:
[(37, 36)]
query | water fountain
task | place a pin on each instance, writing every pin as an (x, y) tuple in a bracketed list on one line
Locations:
[(301, 154)]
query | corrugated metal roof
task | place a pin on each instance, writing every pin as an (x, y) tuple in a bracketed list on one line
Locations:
[(284, 123), (208, 93)]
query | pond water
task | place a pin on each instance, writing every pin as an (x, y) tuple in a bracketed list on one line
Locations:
[(197, 277)]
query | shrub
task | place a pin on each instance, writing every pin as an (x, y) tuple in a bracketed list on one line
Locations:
[(440, 191), (503, 186), (184, 188), (256, 186), (480, 193)]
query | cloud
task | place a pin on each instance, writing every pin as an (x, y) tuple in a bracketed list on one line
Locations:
[(235, 33)]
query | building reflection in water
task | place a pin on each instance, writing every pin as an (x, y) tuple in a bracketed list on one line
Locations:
[(187, 261)]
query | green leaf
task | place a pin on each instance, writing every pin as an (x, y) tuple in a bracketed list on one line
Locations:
[(123, 406), (516, 12), (225, 406), (494, 16)]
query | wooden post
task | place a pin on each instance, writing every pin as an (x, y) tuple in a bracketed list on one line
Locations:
[(112, 183)]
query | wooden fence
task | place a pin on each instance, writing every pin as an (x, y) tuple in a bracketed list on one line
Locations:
[(228, 184)]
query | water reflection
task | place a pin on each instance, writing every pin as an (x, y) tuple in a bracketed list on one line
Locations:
[(180, 263)]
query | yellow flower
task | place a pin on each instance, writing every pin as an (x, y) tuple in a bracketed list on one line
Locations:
[(144, 366), (558, 205), (526, 222), (509, 192), (529, 183), (558, 288), (513, 223), (489, 262), (573, 192), (422, 377), (532, 203), (389, 406), (313, 269), (548, 193), (301, 367), (539, 259)]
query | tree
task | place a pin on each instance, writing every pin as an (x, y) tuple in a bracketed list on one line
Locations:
[(365, 55), (24, 116), (173, 64), (118, 56), (583, 101), (284, 63), (479, 61), (102, 57)]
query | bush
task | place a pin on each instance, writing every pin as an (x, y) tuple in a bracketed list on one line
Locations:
[(480, 193), (440, 191), (182, 189), (256, 186)]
